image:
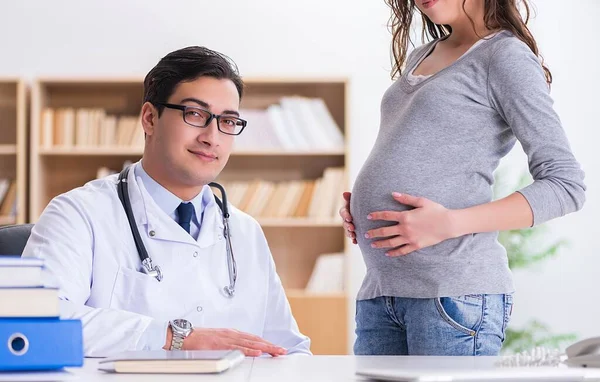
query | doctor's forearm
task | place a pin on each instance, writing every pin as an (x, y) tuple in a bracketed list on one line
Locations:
[(169, 338), (511, 212), (106, 331)]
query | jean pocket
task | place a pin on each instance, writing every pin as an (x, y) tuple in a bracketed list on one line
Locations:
[(464, 313)]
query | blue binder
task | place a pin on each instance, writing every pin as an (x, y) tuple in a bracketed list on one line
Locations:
[(40, 344)]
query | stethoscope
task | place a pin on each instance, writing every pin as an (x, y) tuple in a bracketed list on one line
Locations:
[(154, 270)]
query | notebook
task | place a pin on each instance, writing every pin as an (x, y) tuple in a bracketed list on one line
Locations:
[(516, 374), (172, 362)]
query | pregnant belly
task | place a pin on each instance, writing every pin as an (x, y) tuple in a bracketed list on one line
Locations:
[(372, 192)]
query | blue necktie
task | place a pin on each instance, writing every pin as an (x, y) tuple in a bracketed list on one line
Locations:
[(185, 212)]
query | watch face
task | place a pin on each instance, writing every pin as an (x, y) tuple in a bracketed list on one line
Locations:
[(183, 325)]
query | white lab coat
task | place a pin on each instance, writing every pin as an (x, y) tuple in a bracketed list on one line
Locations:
[(85, 239)]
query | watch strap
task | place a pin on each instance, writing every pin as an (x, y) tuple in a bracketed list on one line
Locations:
[(177, 341)]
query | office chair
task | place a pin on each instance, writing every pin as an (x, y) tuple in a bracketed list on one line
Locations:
[(13, 239)]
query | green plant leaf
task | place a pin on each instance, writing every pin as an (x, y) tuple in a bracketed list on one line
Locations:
[(532, 335)]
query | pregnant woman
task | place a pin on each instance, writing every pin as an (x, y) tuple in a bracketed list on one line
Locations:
[(421, 209)]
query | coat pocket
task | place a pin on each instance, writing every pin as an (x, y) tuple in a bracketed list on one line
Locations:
[(138, 292)]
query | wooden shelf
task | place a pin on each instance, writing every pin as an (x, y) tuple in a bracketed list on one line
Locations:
[(7, 220), (301, 293), (13, 147), (288, 153), (128, 151), (86, 82), (298, 222), (297, 243), (90, 151), (8, 149), (324, 319), (328, 80), (54, 170)]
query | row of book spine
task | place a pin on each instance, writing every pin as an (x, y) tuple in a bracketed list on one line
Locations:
[(318, 199), (84, 127), (293, 124)]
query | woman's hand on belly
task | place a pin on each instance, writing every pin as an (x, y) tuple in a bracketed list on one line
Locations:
[(429, 223), (347, 217)]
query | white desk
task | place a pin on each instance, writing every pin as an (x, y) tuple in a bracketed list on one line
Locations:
[(297, 368)]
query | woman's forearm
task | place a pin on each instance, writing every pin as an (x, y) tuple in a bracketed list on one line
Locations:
[(511, 212)]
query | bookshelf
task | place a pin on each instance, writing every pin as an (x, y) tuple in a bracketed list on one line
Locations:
[(13, 151), (296, 242), (264, 161), (62, 102)]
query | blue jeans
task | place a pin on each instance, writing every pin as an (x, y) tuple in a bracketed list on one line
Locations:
[(465, 325)]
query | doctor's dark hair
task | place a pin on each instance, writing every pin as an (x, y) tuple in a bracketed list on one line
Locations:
[(185, 65)]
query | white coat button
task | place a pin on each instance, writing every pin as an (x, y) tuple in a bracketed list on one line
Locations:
[(152, 233), (199, 309), (195, 254), (220, 237)]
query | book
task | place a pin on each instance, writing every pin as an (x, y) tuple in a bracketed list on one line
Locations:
[(8, 207), (18, 261), (20, 277), (328, 274), (4, 185), (47, 130), (29, 302), (20, 272), (40, 344), (172, 362)]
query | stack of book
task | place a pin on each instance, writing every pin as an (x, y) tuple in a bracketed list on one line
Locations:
[(32, 335), (318, 199), (294, 124), (68, 127)]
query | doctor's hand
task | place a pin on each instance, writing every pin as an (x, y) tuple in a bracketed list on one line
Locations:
[(345, 214), (429, 223), (228, 339)]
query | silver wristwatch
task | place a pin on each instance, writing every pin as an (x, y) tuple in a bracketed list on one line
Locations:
[(181, 329)]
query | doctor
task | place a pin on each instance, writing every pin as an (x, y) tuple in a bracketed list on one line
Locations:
[(190, 118)]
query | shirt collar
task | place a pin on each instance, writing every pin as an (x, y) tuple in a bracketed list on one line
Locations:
[(167, 201)]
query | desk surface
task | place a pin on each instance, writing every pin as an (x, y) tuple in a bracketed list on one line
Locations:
[(298, 368)]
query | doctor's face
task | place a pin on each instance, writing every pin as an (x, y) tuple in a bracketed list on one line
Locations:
[(192, 155)]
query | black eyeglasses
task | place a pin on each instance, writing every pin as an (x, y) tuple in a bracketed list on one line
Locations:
[(197, 117)]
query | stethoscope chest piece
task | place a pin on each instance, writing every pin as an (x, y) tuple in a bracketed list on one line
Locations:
[(151, 269), (229, 291)]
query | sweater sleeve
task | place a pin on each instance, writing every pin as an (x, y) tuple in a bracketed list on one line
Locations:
[(517, 89)]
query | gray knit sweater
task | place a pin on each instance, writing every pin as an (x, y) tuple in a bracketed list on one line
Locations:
[(442, 139)]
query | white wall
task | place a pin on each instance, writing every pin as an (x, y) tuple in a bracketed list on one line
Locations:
[(332, 37), (564, 292)]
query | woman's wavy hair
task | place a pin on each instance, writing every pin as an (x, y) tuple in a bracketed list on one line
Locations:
[(499, 14)]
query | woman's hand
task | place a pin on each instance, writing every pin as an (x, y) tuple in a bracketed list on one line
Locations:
[(427, 224), (345, 214)]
